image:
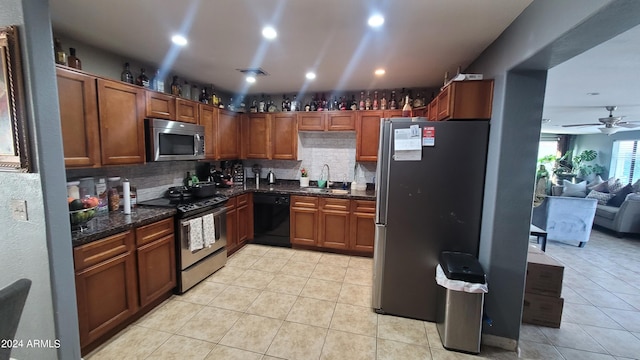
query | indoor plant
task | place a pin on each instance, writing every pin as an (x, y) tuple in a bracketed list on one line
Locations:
[(304, 178)]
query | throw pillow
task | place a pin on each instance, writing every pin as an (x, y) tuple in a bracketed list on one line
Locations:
[(602, 187), (575, 190), (596, 181), (614, 185), (600, 196), (636, 186), (620, 196)]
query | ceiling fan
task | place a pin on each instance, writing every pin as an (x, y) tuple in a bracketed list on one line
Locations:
[(611, 123)]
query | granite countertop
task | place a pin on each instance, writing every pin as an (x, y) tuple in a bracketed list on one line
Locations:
[(293, 188), (115, 222)]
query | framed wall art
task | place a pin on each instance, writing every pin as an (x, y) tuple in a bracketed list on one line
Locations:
[(14, 145)]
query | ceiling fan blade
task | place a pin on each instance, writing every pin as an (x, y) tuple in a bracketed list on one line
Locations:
[(572, 125), (628, 124)]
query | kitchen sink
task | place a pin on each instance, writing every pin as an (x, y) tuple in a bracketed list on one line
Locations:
[(316, 190)]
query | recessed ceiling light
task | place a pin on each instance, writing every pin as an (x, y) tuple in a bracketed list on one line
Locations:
[(379, 72), (593, 93), (250, 79), (179, 40), (311, 75), (269, 33), (376, 21)]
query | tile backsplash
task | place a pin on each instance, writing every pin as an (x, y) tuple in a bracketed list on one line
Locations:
[(336, 149), (151, 179)]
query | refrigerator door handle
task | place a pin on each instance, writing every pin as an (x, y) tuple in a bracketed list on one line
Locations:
[(378, 266)]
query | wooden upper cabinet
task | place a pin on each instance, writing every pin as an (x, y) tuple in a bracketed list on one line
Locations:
[(256, 139), (160, 106), (227, 135), (209, 119), (187, 111), (392, 113), (368, 135), (311, 121), (420, 112), (341, 121), (79, 118), (284, 136), (433, 110), (122, 113), (466, 100)]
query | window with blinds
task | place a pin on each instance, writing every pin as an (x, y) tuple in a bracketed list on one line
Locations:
[(625, 161)]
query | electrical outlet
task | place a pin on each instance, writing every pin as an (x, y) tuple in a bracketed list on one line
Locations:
[(19, 210)]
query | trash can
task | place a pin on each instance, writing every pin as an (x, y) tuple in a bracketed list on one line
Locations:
[(460, 300)]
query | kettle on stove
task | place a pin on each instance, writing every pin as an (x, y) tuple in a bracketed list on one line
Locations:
[(271, 178)]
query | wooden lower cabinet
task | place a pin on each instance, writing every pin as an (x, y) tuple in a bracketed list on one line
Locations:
[(304, 220), (106, 291), (156, 260), (363, 228), (122, 276), (245, 218), (333, 223), (232, 226), (239, 221)]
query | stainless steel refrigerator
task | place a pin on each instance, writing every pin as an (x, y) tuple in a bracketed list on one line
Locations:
[(428, 201)]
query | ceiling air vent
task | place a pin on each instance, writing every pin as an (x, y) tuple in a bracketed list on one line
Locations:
[(253, 71)]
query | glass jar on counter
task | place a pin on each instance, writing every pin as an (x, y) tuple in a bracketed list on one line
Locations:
[(87, 187), (73, 189), (114, 197)]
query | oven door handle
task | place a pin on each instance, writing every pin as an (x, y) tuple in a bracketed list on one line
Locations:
[(216, 226), (186, 227)]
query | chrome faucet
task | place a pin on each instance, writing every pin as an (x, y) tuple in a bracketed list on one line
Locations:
[(327, 166)]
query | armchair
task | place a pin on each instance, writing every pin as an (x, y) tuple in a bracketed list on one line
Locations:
[(565, 219), (625, 219)]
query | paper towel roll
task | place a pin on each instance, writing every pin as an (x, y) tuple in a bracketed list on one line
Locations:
[(126, 196)]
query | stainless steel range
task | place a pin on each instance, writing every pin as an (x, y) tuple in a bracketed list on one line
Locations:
[(201, 234)]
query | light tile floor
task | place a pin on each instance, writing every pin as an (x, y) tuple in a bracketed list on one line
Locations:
[(275, 303)]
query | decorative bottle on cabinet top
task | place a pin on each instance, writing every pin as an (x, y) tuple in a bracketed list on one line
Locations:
[(406, 109), (126, 74), (175, 86), (142, 79), (60, 55), (73, 60)]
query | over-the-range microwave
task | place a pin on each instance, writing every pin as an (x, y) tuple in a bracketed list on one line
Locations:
[(173, 140)]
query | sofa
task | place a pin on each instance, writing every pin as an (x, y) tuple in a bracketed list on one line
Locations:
[(623, 219), (565, 219)]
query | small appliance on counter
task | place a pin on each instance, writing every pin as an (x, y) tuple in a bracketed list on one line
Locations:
[(218, 178), (257, 169), (271, 178), (238, 173)]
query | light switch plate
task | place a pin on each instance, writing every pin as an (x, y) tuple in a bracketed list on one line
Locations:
[(19, 210)]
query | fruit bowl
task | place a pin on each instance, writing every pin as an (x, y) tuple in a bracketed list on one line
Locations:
[(80, 218)]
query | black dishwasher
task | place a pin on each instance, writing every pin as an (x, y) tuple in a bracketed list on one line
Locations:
[(271, 219)]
